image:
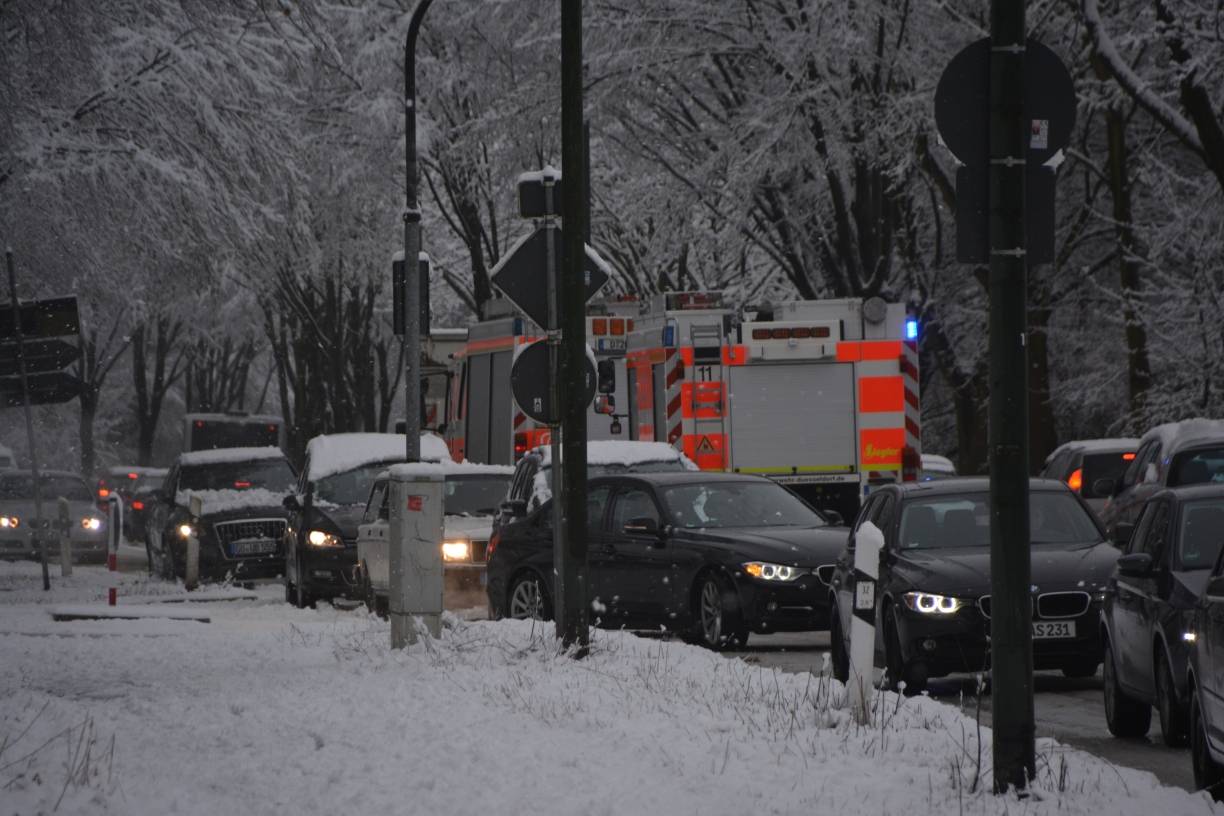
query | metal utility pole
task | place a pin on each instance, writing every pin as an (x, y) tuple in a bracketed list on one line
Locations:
[(571, 560), (29, 418), (1011, 646), (412, 246)]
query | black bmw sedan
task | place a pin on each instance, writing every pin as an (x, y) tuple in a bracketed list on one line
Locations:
[(933, 594), (712, 556)]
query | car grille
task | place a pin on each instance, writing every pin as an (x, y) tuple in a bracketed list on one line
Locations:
[(1062, 604), (249, 530), (1050, 605)]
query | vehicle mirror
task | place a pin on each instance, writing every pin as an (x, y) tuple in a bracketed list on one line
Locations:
[(642, 526), (515, 508), (291, 503), (1122, 533), (606, 380), (834, 518), (605, 404), (1135, 564), (1103, 487), (1215, 586)]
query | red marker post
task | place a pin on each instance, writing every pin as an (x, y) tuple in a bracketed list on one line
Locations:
[(114, 521)]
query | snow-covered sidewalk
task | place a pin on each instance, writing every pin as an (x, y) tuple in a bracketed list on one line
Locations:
[(269, 709)]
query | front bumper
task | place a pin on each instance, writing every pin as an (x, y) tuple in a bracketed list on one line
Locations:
[(801, 605), (329, 572), (20, 544)]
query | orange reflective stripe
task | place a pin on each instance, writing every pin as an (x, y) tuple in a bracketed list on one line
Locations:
[(734, 355), (848, 352), (881, 447), (880, 349), (878, 394), (686, 355), (703, 400)]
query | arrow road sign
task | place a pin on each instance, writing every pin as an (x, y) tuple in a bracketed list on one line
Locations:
[(54, 317), (40, 356), (529, 382), (55, 386), (521, 274)]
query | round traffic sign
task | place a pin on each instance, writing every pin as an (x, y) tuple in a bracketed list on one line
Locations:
[(529, 383)]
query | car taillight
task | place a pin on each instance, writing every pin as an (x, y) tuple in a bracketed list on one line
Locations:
[(137, 505), (1076, 480), (493, 541), (103, 492), (1128, 457), (242, 485), (522, 444)]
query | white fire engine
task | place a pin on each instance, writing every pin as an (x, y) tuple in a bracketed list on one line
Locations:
[(823, 396)]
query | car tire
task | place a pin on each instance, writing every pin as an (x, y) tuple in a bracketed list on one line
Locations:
[(1080, 669), (1124, 715), (528, 598), (302, 597), (838, 657), (896, 670), (1208, 774), (1173, 726), (716, 614), (149, 553)]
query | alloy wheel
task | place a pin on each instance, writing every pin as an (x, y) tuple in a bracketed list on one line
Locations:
[(526, 601), (711, 612)]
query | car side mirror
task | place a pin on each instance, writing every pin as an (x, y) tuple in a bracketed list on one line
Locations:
[(834, 518), (644, 526), (1122, 533), (1135, 565), (605, 404), (1104, 487), (291, 503), (1215, 585), (515, 508)]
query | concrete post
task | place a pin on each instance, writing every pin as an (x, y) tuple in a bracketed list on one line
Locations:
[(65, 538), (191, 571), (868, 543), (415, 549)]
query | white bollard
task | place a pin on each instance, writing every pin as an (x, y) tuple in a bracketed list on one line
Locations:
[(415, 550), (65, 538), (868, 544), (191, 570), (114, 521)]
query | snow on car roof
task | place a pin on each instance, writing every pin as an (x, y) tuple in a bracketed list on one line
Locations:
[(1186, 429), (616, 452), (335, 453), (224, 501), (932, 461), (1122, 444), (219, 455)]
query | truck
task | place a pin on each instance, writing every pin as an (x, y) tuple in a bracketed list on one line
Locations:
[(210, 431), (821, 396)]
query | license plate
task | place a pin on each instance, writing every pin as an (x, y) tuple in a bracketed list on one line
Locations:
[(253, 547), (1051, 630), (484, 578)]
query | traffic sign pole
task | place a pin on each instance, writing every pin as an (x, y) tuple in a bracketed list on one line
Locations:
[(1011, 652), (29, 418), (572, 578), (554, 392)]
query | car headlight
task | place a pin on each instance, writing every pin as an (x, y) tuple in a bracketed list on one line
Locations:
[(929, 604), (770, 572), (456, 551), (186, 531), (318, 538), (91, 523), (9, 522)]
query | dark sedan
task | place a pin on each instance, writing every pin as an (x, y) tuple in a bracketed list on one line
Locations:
[(1149, 609), (1206, 679), (933, 595), (712, 556)]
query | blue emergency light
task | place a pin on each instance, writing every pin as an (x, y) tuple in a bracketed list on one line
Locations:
[(911, 328)]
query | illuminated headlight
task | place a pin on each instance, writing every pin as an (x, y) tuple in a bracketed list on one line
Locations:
[(91, 523), (456, 551), (929, 604), (9, 522), (186, 531), (1190, 637), (770, 572), (318, 538)]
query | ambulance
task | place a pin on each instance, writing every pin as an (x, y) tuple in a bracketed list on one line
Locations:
[(819, 395)]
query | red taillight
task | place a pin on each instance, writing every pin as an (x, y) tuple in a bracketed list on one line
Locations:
[(599, 325), (103, 492), (760, 334), (272, 428), (199, 423), (1076, 480), (242, 485), (493, 540), (1126, 457), (137, 505), (133, 475)]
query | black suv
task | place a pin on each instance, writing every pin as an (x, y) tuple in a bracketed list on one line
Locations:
[(242, 524)]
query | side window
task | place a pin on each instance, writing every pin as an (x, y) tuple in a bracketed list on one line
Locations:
[(1136, 466), (596, 503), (870, 506), (374, 506), (884, 514), (1153, 542), (632, 503)]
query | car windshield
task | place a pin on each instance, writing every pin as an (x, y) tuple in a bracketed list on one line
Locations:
[(350, 486), (269, 474), (736, 504), (1202, 466), (21, 486), (1201, 534), (475, 495), (963, 520)]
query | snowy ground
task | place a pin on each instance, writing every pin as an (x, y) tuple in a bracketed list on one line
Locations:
[(268, 709)]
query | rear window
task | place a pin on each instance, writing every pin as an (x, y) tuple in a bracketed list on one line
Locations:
[(22, 487), (1202, 466), (269, 474), (1102, 466), (963, 520), (1201, 533)]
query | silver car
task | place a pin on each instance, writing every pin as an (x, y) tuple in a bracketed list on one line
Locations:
[(86, 524)]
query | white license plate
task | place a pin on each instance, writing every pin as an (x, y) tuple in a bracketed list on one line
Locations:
[(254, 547), (1052, 630)]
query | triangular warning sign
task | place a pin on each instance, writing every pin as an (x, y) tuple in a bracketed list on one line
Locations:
[(705, 446)]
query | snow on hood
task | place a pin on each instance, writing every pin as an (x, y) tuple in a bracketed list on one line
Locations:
[(214, 457), (335, 453), (223, 501)]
